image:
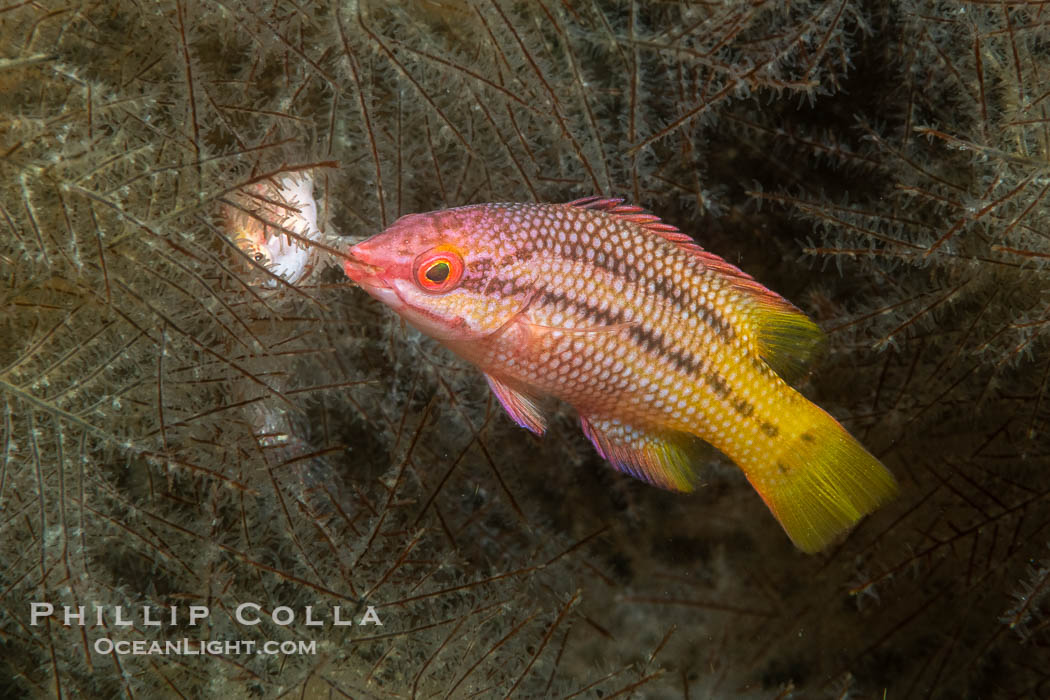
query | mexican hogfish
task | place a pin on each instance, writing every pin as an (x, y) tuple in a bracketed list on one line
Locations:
[(654, 341)]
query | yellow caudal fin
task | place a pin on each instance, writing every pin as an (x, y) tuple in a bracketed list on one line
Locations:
[(824, 483)]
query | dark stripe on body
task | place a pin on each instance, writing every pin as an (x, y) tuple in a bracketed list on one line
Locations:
[(681, 296), (654, 342), (650, 341)]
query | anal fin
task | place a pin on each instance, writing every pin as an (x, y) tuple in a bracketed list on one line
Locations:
[(666, 459), (519, 406)]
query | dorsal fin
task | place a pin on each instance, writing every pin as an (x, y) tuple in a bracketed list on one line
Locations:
[(785, 337), (634, 214)]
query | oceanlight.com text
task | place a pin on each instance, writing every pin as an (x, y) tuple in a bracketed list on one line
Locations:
[(198, 647), (194, 615)]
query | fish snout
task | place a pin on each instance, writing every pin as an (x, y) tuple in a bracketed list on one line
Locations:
[(361, 268)]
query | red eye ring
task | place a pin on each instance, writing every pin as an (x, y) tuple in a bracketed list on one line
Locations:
[(439, 270)]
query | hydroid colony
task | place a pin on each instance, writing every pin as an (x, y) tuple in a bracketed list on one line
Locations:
[(141, 354)]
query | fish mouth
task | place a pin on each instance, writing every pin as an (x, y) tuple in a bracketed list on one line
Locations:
[(372, 279), (363, 273)]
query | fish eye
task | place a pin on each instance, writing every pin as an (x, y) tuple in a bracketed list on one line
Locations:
[(439, 270), (258, 257)]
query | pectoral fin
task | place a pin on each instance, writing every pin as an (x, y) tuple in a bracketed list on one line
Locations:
[(527, 338), (520, 406), (666, 459)]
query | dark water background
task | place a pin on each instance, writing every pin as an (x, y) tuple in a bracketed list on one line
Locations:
[(174, 433)]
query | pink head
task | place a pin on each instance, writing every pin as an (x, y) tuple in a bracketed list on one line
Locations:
[(433, 269)]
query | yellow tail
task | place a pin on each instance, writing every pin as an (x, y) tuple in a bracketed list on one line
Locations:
[(822, 484)]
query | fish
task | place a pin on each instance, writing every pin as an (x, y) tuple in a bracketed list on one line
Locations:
[(661, 347), (260, 216)]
